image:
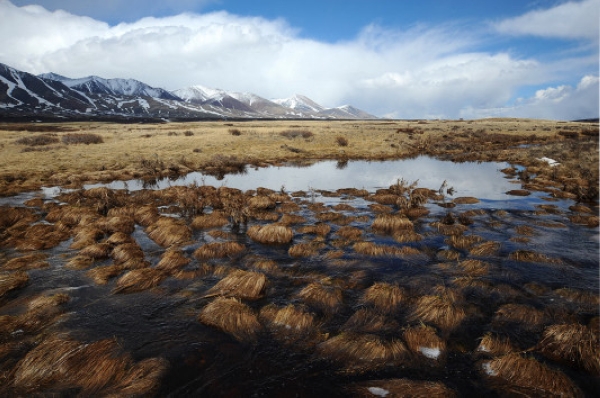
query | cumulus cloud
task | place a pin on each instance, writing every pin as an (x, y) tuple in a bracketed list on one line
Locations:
[(572, 20), (564, 102), (418, 72)]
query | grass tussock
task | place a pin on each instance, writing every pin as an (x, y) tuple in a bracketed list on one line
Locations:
[(233, 317), (129, 255), (323, 295), (261, 203), (306, 249), (366, 320), (291, 134), (96, 369), (532, 257), (10, 281), (466, 200), (97, 251), (26, 262), (167, 231), (288, 323), (375, 250), (485, 249), (385, 297), (474, 268), (463, 242), (289, 219), (219, 250), (389, 224), (212, 220), (515, 375), (172, 260), (494, 345), (38, 140), (271, 234), (439, 310), (572, 344), (101, 275), (363, 352), (423, 341), (119, 238), (241, 284), (138, 280), (82, 138), (320, 229), (349, 233)]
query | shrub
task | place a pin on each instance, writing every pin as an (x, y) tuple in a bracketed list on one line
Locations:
[(82, 138), (188, 133), (235, 132), (42, 139), (172, 133), (341, 141), (291, 134)]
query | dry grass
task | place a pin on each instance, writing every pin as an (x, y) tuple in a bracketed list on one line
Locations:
[(384, 297), (96, 369), (306, 249), (367, 320), (324, 296), (494, 345), (532, 257), (320, 229), (219, 250), (10, 281), (363, 352), (26, 262), (271, 234), (233, 317), (138, 280), (212, 220), (167, 231), (375, 250), (572, 344), (466, 200), (389, 224), (289, 323), (349, 233), (172, 260), (241, 284), (101, 275), (515, 375), (440, 310), (424, 342)]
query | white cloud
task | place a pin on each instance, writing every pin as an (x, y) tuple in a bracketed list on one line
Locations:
[(571, 20), (563, 102), (419, 72)]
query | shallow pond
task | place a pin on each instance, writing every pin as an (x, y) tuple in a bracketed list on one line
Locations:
[(521, 267)]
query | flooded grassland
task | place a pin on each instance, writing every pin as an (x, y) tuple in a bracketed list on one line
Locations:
[(300, 259)]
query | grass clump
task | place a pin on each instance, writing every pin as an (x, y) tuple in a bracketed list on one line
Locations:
[(38, 140), (291, 134), (82, 138)]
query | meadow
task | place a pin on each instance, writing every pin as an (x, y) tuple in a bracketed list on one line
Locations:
[(198, 289)]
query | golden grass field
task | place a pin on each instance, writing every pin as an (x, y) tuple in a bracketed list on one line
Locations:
[(152, 150)]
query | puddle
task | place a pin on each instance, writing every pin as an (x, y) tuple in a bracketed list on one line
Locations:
[(163, 321)]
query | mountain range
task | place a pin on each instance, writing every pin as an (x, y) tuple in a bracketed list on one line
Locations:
[(51, 95)]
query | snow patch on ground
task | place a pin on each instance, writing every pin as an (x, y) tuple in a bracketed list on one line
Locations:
[(380, 392), (431, 353), (551, 162), (487, 367)]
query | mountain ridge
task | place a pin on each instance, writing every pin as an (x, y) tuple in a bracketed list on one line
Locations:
[(52, 95)]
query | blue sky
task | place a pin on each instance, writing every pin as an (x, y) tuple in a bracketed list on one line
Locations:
[(406, 59)]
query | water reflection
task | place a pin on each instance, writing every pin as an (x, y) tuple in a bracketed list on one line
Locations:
[(481, 180)]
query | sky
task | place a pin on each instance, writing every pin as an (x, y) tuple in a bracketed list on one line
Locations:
[(398, 59)]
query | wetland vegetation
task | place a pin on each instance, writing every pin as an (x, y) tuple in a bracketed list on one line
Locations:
[(409, 283)]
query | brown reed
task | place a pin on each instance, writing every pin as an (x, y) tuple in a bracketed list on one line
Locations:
[(233, 317)]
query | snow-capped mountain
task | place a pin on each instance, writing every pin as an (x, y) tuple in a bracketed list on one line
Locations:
[(98, 85), (52, 95), (300, 103)]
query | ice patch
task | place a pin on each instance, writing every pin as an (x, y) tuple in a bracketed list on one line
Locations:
[(380, 392), (431, 353)]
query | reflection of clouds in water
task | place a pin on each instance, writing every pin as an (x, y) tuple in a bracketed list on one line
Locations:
[(482, 180)]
